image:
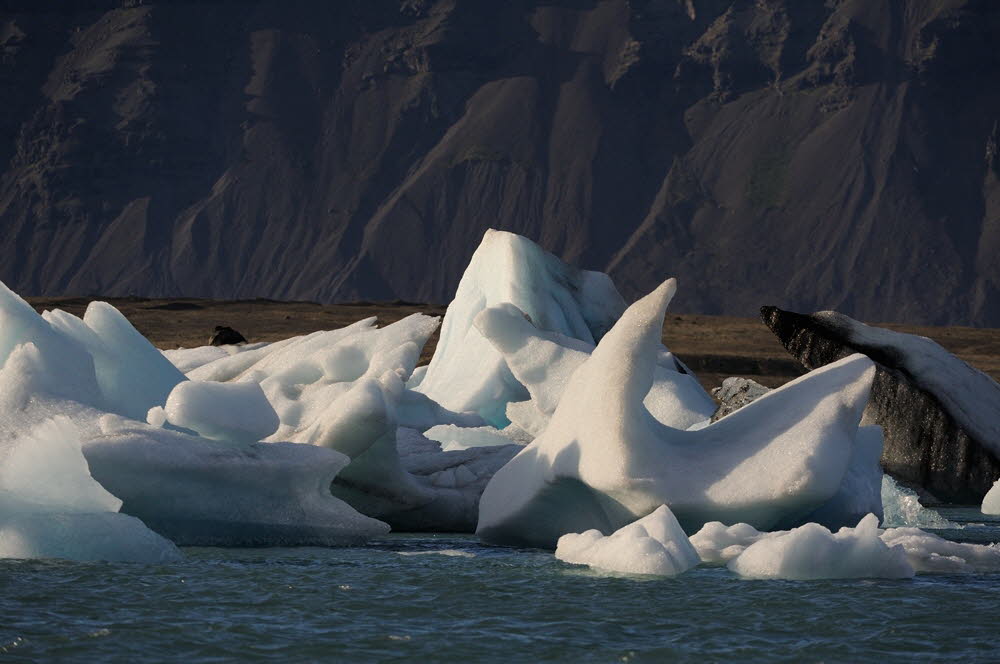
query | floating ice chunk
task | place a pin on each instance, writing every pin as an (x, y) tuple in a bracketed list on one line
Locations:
[(925, 552), (718, 543), (655, 544), (932, 554), (237, 412), (813, 552), (991, 502), (199, 493), (467, 373), (544, 362), (51, 507), (902, 508), (604, 461)]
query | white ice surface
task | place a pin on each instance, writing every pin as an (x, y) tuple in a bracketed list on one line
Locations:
[(929, 553), (82, 369), (346, 390), (860, 491), (813, 552), (508, 268), (133, 376), (198, 492), (604, 461), (235, 412), (967, 394), (719, 543), (189, 359), (544, 362), (991, 502), (51, 507), (925, 552), (655, 544)]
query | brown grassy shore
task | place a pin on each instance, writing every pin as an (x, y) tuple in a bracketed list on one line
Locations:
[(713, 346)]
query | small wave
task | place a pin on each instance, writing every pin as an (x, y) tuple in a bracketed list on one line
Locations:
[(440, 552)]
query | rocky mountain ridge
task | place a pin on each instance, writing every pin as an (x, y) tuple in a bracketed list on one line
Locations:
[(819, 155)]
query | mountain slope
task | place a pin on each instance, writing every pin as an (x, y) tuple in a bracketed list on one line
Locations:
[(814, 155)]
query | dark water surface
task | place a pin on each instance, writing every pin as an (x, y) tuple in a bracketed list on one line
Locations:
[(450, 598)]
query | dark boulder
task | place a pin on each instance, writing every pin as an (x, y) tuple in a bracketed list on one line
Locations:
[(225, 336), (941, 417)]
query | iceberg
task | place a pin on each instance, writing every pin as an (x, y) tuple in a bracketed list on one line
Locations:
[(467, 373), (941, 416), (925, 552), (991, 502), (345, 390), (812, 552), (604, 461), (201, 493), (929, 553), (220, 487), (544, 362), (655, 544), (51, 506)]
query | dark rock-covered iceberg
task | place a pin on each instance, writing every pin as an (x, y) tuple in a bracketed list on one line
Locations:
[(941, 417)]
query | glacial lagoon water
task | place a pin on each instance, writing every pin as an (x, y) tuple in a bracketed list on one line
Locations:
[(429, 598)]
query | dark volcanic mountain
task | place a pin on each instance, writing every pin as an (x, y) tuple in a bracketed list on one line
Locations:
[(839, 154)]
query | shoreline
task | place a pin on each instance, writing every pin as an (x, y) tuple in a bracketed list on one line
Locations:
[(714, 347)]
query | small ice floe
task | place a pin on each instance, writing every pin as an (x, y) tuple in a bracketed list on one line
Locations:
[(719, 543), (991, 502), (655, 544), (929, 553), (813, 552)]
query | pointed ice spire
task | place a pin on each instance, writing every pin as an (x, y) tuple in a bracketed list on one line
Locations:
[(604, 461)]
